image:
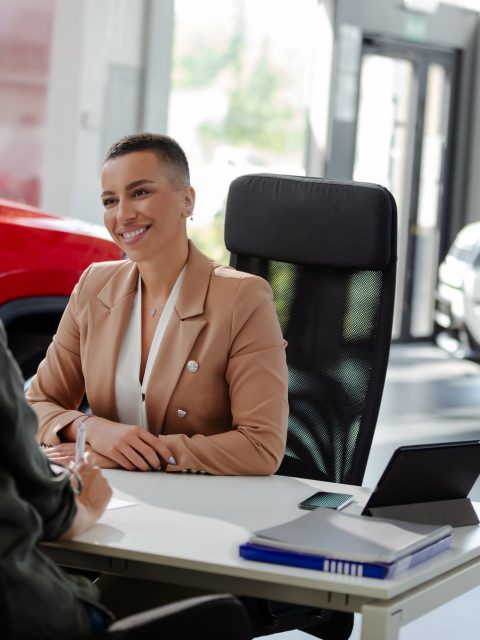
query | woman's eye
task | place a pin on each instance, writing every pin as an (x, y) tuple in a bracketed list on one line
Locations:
[(107, 202), (139, 192)]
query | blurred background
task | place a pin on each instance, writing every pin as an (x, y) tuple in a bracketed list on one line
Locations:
[(384, 91), (376, 90)]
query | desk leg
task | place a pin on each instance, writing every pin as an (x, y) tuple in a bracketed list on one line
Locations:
[(381, 620), (378, 623)]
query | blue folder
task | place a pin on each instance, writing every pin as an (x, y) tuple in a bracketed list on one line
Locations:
[(261, 553)]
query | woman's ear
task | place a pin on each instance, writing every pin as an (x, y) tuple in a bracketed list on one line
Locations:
[(189, 200)]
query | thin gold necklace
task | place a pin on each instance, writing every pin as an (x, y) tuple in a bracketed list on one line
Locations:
[(153, 311)]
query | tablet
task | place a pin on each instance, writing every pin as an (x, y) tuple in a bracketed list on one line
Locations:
[(427, 472)]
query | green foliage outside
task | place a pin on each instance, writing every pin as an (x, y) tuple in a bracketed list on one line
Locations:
[(258, 117), (209, 239), (202, 64)]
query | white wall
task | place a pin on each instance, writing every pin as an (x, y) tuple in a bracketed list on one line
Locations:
[(320, 84), (109, 74), (63, 105)]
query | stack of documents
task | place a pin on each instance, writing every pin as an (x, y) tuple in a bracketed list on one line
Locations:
[(348, 544)]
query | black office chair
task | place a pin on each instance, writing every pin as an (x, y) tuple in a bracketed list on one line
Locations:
[(216, 617), (328, 250)]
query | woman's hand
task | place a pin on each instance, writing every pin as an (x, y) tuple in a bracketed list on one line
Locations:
[(93, 499), (64, 454), (129, 446)]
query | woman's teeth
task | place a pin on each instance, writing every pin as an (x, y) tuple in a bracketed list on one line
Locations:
[(132, 234)]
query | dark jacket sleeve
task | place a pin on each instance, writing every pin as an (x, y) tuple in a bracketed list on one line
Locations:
[(21, 457)]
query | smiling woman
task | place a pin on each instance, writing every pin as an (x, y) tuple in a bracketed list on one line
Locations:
[(182, 359), (148, 213)]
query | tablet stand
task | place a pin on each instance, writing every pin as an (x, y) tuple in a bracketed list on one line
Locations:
[(457, 513)]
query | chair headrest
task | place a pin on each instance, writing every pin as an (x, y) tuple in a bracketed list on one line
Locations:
[(311, 221)]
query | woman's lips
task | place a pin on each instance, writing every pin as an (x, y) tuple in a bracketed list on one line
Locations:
[(131, 236)]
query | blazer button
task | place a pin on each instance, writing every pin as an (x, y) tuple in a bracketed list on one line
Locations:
[(192, 366), (181, 413)]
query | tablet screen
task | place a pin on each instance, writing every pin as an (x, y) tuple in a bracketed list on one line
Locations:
[(423, 473)]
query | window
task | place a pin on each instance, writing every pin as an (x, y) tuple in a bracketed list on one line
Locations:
[(238, 97)]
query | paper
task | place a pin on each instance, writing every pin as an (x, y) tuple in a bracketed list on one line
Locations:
[(116, 503)]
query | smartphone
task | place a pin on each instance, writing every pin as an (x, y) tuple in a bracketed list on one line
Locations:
[(328, 499)]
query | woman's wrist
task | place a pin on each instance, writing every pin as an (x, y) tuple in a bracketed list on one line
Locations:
[(69, 431)]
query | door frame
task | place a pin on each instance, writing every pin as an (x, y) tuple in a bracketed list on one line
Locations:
[(420, 55)]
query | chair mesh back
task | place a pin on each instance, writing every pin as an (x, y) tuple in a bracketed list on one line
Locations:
[(337, 322)]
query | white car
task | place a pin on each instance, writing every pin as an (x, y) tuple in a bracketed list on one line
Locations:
[(457, 306)]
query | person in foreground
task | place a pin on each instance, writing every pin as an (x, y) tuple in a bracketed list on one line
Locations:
[(182, 360), (39, 601), (37, 505)]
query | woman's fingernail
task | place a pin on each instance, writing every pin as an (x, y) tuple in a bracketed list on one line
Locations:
[(172, 460)]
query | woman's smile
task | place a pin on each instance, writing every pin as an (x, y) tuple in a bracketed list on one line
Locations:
[(144, 210), (131, 236)]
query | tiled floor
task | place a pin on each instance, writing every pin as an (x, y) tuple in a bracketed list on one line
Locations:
[(428, 398)]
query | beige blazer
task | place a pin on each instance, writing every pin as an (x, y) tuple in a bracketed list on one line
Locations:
[(227, 417)]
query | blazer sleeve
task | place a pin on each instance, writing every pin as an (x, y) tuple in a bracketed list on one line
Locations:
[(258, 386), (59, 383)]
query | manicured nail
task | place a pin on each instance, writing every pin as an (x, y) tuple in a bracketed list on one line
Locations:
[(172, 460)]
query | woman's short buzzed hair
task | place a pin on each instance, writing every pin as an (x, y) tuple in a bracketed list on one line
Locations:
[(167, 149)]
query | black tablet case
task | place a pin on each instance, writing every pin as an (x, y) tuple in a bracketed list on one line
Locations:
[(428, 483)]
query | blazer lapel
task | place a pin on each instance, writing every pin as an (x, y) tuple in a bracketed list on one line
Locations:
[(179, 338), (109, 314)]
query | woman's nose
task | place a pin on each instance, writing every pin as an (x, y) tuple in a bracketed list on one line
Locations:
[(126, 211)]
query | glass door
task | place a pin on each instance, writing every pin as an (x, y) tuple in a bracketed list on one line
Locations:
[(426, 229), (401, 142)]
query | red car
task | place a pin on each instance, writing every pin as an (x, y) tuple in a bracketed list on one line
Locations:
[(41, 258)]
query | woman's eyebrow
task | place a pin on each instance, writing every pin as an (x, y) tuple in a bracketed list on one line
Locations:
[(136, 183), (129, 186)]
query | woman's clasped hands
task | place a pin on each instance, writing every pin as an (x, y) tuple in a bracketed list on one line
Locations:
[(117, 445)]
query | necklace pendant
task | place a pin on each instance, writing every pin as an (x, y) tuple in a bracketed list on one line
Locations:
[(152, 312)]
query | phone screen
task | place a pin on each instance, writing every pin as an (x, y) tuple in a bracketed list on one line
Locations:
[(328, 499)]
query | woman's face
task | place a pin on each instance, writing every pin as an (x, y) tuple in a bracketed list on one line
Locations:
[(144, 212)]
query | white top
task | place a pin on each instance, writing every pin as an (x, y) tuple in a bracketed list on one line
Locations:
[(129, 393)]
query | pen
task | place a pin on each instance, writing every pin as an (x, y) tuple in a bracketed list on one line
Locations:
[(80, 441)]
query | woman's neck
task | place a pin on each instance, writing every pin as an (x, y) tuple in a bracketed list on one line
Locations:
[(159, 276)]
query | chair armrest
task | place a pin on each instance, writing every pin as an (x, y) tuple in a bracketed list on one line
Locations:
[(215, 617)]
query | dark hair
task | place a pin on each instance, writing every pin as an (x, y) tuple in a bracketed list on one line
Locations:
[(167, 149)]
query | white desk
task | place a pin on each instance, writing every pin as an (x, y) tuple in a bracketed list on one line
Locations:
[(186, 529)]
